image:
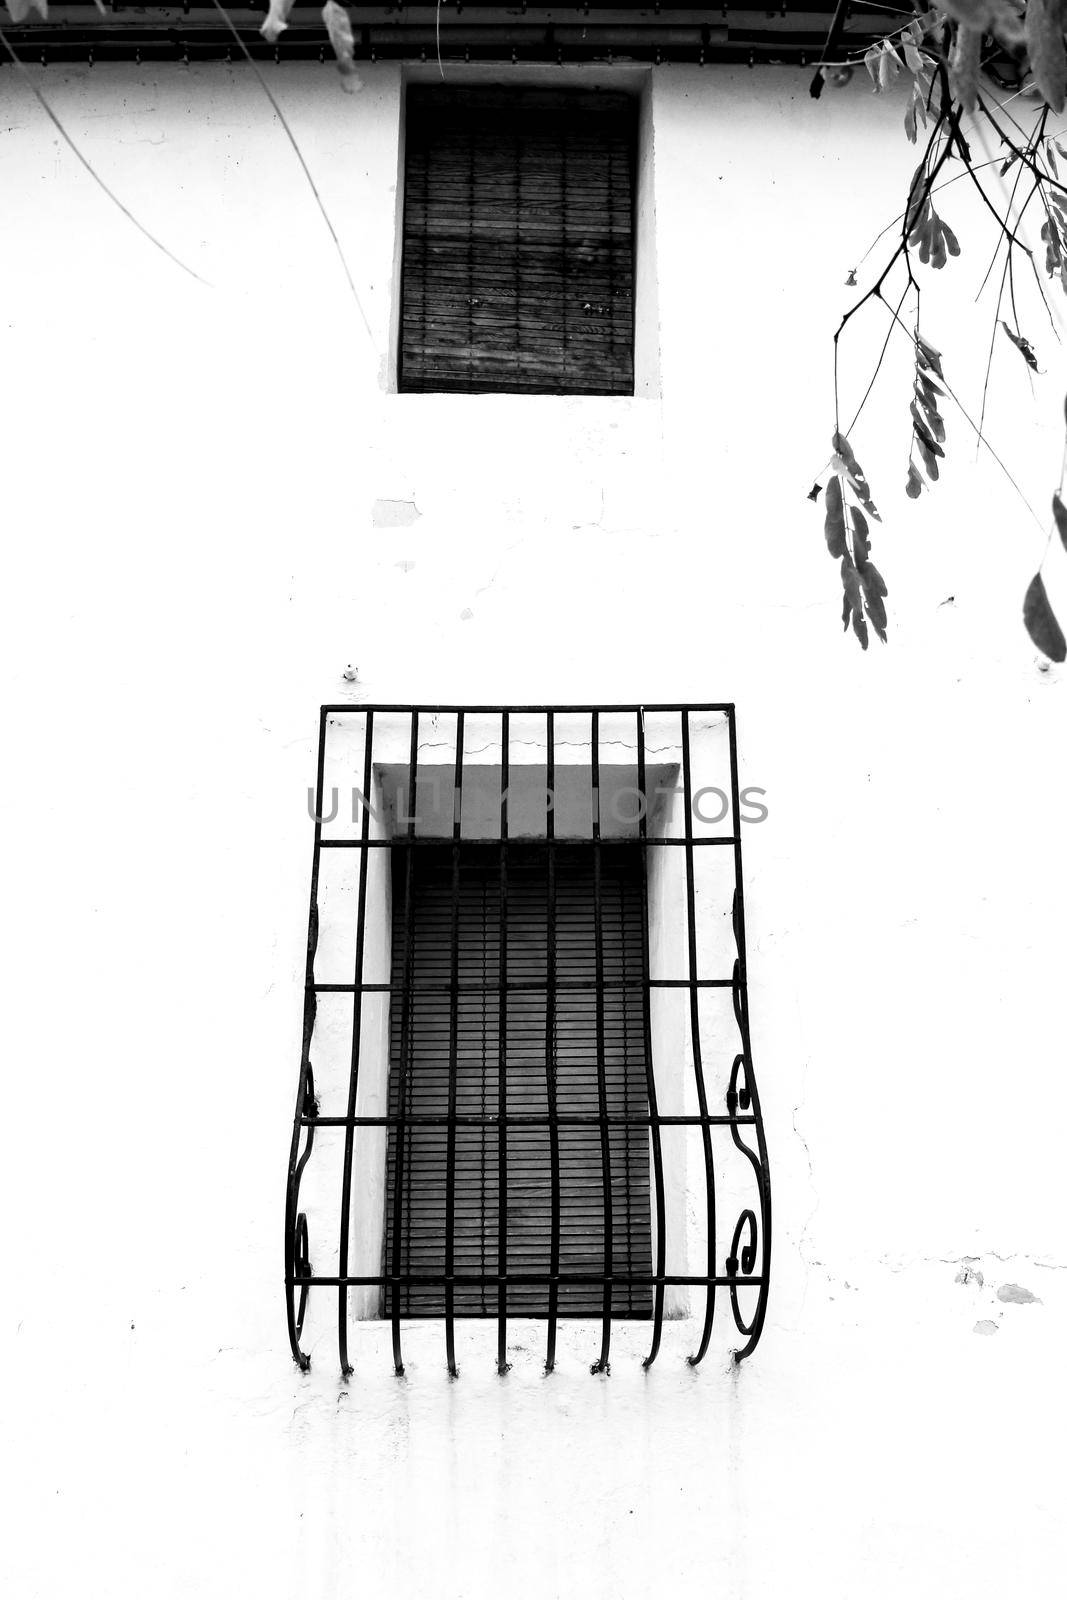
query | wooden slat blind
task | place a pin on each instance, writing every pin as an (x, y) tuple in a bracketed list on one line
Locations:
[(518, 241), (571, 1016)]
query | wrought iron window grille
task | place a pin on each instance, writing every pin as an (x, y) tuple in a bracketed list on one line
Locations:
[(554, 827)]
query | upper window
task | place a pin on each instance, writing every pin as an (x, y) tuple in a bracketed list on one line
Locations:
[(518, 250)]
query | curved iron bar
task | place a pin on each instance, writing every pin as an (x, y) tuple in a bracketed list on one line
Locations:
[(760, 1165), (748, 1262), (306, 1103), (302, 1268), (694, 1028), (742, 1096), (297, 1264)]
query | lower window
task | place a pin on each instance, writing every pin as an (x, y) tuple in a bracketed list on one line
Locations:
[(526, 927), (526, 1087)]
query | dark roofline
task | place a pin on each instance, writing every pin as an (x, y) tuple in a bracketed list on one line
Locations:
[(745, 33)]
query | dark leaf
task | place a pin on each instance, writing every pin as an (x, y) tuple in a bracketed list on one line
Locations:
[(934, 421), (1059, 511), (929, 357), (911, 55), (1024, 346), (853, 601), (910, 128), (920, 230), (914, 487), (856, 475), (950, 239), (874, 593), (850, 281), (922, 433), (929, 459), (918, 198), (834, 526), (888, 66), (815, 491), (1041, 623), (1044, 45), (931, 391), (861, 535), (964, 65)]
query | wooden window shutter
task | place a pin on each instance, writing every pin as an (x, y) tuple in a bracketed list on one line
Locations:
[(518, 270), (569, 1049)]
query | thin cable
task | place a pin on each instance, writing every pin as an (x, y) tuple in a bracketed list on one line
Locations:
[(90, 169), (278, 112)]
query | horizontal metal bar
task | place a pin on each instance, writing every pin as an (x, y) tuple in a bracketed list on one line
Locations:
[(520, 1120), (522, 711), (248, 15), (572, 986), (438, 1280), (513, 45), (608, 840)]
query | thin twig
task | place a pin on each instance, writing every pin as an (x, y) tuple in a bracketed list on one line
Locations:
[(971, 424), (90, 169), (1023, 155), (878, 366)]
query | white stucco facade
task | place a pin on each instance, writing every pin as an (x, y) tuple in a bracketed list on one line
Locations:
[(213, 503)]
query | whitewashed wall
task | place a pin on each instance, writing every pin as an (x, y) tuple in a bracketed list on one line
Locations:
[(211, 504)]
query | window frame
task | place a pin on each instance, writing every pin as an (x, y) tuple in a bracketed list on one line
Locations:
[(635, 80)]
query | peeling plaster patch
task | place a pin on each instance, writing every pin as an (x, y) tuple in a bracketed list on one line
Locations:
[(394, 513), (1014, 1294), (985, 1326), (969, 1274)]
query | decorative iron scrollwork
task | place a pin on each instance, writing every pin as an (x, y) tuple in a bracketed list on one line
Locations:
[(743, 1097), (302, 1268), (297, 1256)]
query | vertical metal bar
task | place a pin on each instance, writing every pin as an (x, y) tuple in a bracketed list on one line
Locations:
[(502, 1076), (357, 1028), (741, 1002), (694, 1015), (601, 1364), (550, 1035), (296, 1164), (650, 1076), (453, 1063), (483, 1087), (405, 1039)]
